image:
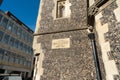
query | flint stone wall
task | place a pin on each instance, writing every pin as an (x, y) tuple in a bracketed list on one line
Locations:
[(113, 35), (77, 20), (76, 62)]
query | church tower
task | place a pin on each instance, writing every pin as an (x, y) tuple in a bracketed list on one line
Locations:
[(63, 47)]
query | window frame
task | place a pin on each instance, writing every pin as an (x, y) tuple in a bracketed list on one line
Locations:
[(4, 22)]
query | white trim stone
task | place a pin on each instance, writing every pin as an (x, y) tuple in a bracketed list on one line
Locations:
[(117, 13), (118, 3), (110, 66)]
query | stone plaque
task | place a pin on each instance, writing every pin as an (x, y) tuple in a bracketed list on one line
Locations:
[(61, 43)]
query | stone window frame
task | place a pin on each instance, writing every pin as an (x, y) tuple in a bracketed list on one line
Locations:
[(54, 12), (59, 8)]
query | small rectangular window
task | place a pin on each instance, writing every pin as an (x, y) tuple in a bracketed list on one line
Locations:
[(63, 9), (11, 58), (1, 35), (4, 22), (6, 57), (1, 17), (22, 34), (6, 39), (11, 42), (16, 43), (16, 60), (60, 8), (10, 26), (14, 29), (1, 53), (18, 32)]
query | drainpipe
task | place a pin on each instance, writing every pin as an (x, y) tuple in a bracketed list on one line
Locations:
[(91, 36)]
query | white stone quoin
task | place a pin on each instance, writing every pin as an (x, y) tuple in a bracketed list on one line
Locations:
[(110, 66)]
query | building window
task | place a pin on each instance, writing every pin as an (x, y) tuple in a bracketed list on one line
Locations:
[(12, 41), (25, 63), (10, 25), (11, 58), (21, 46), (1, 35), (31, 50), (8, 54), (1, 54), (31, 39), (18, 32), (16, 43), (6, 57), (0, 17), (25, 36), (21, 60), (25, 48), (16, 60), (29, 64), (22, 34), (60, 8), (14, 29), (6, 39), (4, 22), (63, 9)]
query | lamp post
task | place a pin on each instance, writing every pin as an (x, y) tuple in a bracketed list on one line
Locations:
[(91, 36)]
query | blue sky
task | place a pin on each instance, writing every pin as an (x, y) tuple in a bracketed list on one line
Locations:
[(24, 10)]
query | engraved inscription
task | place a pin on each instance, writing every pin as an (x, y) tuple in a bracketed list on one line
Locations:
[(61, 43)]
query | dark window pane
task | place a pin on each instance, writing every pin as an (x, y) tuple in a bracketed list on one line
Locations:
[(31, 51), (31, 39), (4, 22), (18, 32), (16, 43), (21, 46), (22, 34), (6, 57), (11, 42), (11, 59), (24, 48), (1, 35), (6, 39), (14, 29), (1, 53), (10, 25), (25, 36), (1, 17)]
